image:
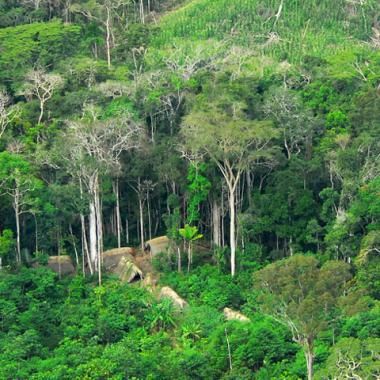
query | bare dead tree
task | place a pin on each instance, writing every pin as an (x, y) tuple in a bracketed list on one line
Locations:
[(41, 85), (104, 12), (34, 3), (7, 112), (95, 149)]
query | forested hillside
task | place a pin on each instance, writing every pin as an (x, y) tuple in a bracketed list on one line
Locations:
[(244, 135)]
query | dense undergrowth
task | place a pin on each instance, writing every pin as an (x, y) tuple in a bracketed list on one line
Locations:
[(117, 119), (71, 329)]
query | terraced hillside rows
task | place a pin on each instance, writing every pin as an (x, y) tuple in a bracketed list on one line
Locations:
[(288, 29)]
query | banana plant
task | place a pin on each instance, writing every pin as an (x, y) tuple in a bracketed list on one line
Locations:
[(190, 234)]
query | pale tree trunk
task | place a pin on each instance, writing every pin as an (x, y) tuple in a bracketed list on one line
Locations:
[(95, 225), (59, 252), (222, 219), (149, 215), (16, 208), (228, 350), (141, 223), (35, 231), (93, 220), (93, 234), (142, 16), (67, 11), (278, 14), (216, 223), (18, 238), (42, 106), (99, 230), (112, 223), (249, 187), (189, 255), (309, 356), (74, 244), (231, 199), (117, 213), (85, 249), (126, 231), (291, 246), (108, 37), (179, 264)]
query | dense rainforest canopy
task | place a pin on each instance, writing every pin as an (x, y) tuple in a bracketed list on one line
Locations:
[(247, 132)]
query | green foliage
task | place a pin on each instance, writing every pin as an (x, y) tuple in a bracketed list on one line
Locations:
[(363, 325), (190, 233), (198, 188), (7, 243), (206, 286), (204, 19), (160, 316), (352, 357), (27, 45), (254, 346), (293, 88), (302, 296)]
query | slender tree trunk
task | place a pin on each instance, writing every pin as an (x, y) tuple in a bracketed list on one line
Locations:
[(74, 244), (189, 256), (216, 223), (93, 234), (66, 11), (231, 199), (278, 14), (291, 246), (84, 235), (16, 207), (108, 37), (99, 230), (18, 237), (309, 356), (59, 252), (117, 212), (222, 219), (42, 105), (249, 188), (149, 216), (85, 249), (157, 224), (126, 231), (141, 210), (179, 264), (228, 350), (142, 16), (35, 231)]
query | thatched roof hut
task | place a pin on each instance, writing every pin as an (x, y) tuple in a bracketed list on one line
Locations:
[(232, 315), (112, 257), (158, 245), (167, 292), (62, 265), (127, 270)]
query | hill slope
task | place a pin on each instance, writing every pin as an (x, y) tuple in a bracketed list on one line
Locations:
[(288, 29)]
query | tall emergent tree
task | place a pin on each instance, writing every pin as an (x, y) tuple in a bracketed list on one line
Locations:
[(94, 149), (41, 85), (7, 112), (17, 182), (107, 13), (302, 296), (233, 142)]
